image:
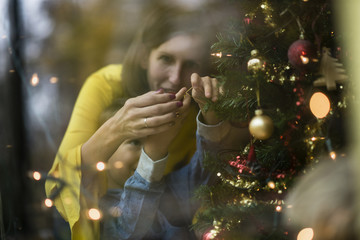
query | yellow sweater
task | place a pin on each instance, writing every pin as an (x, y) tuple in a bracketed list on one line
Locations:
[(98, 93)]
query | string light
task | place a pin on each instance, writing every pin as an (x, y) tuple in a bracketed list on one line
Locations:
[(278, 208), (332, 155), (36, 175), (316, 138), (221, 54), (94, 214), (100, 166), (53, 80), (34, 80), (118, 164), (48, 203), (319, 105), (304, 60), (271, 184), (306, 234)]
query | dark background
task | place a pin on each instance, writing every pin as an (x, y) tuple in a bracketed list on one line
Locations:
[(60, 42)]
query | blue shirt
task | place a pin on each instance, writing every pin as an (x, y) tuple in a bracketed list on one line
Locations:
[(164, 208)]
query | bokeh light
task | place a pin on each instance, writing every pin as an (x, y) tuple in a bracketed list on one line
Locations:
[(319, 105), (36, 175), (332, 155), (306, 234), (118, 164), (271, 184), (94, 214), (48, 202), (100, 166), (304, 60), (53, 80), (34, 80)]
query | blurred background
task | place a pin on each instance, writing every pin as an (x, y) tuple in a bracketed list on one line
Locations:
[(47, 50)]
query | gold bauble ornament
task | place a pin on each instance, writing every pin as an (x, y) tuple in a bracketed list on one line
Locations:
[(255, 63), (261, 126)]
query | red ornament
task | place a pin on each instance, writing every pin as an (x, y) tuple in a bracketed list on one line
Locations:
[(302, 55)]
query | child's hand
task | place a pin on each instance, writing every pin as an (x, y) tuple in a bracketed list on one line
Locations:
[(156, 145), (205, 87)]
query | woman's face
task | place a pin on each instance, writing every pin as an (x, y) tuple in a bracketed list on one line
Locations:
[(123, 163), (171, 64)]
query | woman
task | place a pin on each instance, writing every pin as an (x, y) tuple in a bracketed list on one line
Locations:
[(171, 48)]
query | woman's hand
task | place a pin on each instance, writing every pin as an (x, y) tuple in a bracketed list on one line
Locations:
[(149, 114), (156, 145), (145, 115), (202, 88)]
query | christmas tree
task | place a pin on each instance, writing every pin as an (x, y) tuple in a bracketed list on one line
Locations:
[(280, 66)]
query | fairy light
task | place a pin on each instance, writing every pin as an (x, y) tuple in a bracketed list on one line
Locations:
[(319, 105), (304, 60), (219, 55), (100, 166), (278, 208), (118, 164), (306, 234), (34, 80), (271, 184), (316, 138), (332, 155), (36, 175), (53, 80), (94, 214), (48, 202)]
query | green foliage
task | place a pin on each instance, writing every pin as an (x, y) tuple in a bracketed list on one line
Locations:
[(241, 205)]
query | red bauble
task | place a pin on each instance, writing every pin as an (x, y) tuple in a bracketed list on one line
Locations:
[(303, 56)]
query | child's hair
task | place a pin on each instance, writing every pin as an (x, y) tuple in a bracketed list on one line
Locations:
[(324, 200)]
